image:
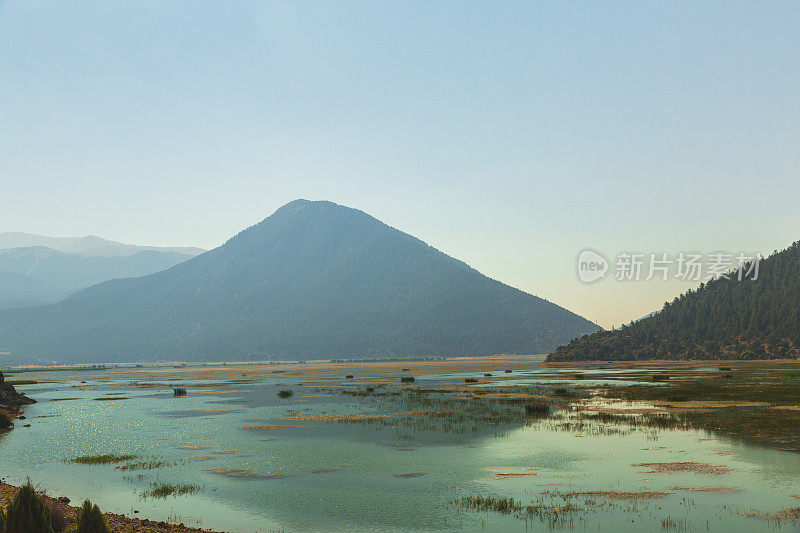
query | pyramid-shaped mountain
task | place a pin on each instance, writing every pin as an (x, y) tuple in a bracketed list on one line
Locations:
[(315, 280)]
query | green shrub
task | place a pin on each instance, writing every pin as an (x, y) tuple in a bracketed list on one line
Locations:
[(27, 513), (90, 519)]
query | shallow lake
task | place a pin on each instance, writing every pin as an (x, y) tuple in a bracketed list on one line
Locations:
[(259, 462)]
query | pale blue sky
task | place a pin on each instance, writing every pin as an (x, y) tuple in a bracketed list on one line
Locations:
[(508, 134)]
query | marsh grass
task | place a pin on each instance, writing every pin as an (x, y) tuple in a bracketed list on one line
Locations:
[(650, 420), (146, 465), (537, 408), (752, 383), (104, 459), (163, 490), (555, 516), (110, 398)]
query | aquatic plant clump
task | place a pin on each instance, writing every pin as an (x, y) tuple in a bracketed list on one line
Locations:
[(104, 459), (537, 408), (686, 466), (145, 465), (162, 490), (552, 515)]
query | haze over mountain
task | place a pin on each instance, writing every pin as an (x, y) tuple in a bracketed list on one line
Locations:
[(314, 280), (89, 246), (45, 273), (722, 319)]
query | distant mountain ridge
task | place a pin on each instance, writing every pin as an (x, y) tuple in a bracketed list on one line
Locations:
[(313, 280), (722, 319), (38, 274), (88, 246)]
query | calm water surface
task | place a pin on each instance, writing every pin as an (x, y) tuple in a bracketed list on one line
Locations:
[(358, 476)]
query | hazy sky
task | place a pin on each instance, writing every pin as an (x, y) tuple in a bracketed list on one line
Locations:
[(510, 135)]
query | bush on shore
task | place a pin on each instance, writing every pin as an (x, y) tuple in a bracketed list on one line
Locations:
[(27, 513), (89, 520)]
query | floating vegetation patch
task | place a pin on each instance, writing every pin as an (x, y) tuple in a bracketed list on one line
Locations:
[(621, 495), (146, 465), (330, 418), (285, 394), (688, 466), (272, 427), (233, 472), (709, 490), (194, 447), (423, 413), (111, 398), (323, 470), (223, 391), (511, 475), (162, 490), (63, 399), (202, 457), (411, 474), (791, 514), (553, 515), (537, 408), (104, 459), (225, 452)]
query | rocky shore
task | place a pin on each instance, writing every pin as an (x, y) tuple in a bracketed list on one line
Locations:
[(11, 400), (117, 523)]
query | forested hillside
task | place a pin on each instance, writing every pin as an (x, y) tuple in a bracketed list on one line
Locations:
[(722, 319)]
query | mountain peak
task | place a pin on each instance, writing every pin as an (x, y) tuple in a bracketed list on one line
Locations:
[(314, 280)]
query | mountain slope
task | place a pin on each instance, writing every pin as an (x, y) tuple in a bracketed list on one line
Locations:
[(89, 246), (18, 290), (314, 280), (723, 319), (71, 272)]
